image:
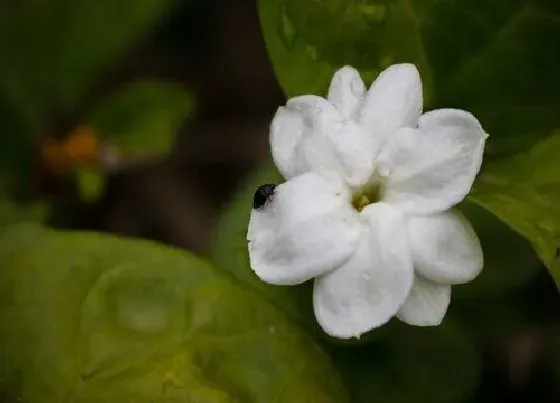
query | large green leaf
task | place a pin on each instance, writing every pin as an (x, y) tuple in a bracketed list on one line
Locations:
[(143, 117), (51, 50), (495, 59), (87, 317), (524, 192)]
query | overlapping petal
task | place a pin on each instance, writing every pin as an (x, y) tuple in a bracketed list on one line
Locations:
[(426, 304), (430, 169), (307, 229), (309, 134), (366, 291), (445, 248), (393, 101)]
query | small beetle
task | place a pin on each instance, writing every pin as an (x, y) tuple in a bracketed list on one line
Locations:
[(263, 194)]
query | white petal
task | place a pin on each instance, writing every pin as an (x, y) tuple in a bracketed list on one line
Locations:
[(433, 168), (301, 118), (393, 101), (308, 228), (310, 135), (448, 117), (427, 303), (346, 92), (345, 148), (370, 288), (286, 132), (445, 248)]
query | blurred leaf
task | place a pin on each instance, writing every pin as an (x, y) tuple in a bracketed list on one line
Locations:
[(12, 212), (52, 50), (87, 317), (411, 365), (496, 60), (90, 182), (524, 192), (143, 117)]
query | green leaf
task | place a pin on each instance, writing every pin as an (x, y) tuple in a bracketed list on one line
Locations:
[(509, 259), (230, 252), (52, 50), (87, 317), (143, 117), (524, 192), (411, 365), (493, 60)]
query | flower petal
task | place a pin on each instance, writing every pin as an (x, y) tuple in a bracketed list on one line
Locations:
[(344, 148), (307, 228), (291, 125), (367, 290), (427, 303), (310, 135), (433, 168), (393, 101), (445, 248), (286, 131), (346, 92), (448, 117)]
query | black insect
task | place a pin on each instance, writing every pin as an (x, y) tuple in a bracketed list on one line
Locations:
[(263, 194)]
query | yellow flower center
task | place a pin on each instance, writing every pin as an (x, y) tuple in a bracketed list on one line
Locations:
[(367, 195)]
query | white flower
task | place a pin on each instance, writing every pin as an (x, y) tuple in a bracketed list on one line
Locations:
[(366, 206)]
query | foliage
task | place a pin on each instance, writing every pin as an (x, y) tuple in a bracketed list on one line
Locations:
[(142, 118), (129, 320), (51, 51), (524, 191)]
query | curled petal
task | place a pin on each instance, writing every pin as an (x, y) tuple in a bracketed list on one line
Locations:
[(369, 289), (306, 229), (346, 92), (427, 303), (431, 169), (445, 248), (393, 101)]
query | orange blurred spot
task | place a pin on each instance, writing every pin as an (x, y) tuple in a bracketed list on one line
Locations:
[(82, 147)]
